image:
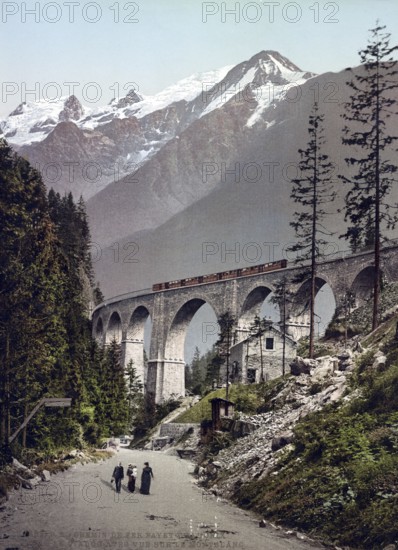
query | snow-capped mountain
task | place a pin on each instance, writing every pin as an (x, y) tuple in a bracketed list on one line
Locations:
[(105, 144), (33, 121), (207, 160), (229, 187), (263, 80)]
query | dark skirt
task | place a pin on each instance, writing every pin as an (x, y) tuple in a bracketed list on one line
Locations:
[(131, 484), (145, 482)]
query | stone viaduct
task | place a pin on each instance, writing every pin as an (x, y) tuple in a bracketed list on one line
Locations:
[(171, 311)]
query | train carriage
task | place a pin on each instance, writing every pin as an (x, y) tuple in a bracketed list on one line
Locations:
[(222, 276)]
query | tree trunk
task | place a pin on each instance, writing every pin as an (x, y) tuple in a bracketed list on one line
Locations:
[(25, 414), (261, 358), (284, 329), (376, 281), (7, 391), (313, 254), (227, 385)]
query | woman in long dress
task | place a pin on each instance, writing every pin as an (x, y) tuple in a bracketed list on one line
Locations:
[(146, 479), (132, 475)]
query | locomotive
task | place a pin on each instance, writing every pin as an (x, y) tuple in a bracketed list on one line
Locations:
[(222, 276)]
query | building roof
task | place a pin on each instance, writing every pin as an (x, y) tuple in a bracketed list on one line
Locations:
[(223, 400)]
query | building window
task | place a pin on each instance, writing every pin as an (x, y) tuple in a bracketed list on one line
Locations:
[(269, 343)]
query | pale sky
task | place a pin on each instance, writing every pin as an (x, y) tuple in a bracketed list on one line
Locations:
[(154, 43)]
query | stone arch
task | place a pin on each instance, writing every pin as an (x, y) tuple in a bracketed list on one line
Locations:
[(99, 330), (362, 285), (136, 326), (133, 344), (114, 328), (298, 318), (252, 305), (301, 301), (175, 337), (166, 375)]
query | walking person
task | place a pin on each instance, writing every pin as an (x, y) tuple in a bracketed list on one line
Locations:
[(146, 479), (132, 475), (118, 475)]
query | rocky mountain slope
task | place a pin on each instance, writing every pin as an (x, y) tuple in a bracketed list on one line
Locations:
[(320, 454), (316, 383), (208, 160), (103, 144), (247, 173)]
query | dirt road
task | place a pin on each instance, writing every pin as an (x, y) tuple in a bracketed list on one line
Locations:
[(79, 510)]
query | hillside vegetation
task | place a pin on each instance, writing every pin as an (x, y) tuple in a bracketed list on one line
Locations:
[(339, 479), (247, 399)]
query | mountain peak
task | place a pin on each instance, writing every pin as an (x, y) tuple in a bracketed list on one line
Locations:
[(131, 98), (18, 110), (264, 78), (73, 109), (276, 58)]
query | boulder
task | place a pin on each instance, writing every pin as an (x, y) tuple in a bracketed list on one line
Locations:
[(45, 475), (72, 454), (282, 440), (300, 366), (29, 483), (379, 361), (240, 428), (302, 380), (345, 355), (347, 364), (211, 469), (18, 465), (326, 368), (337, 393)]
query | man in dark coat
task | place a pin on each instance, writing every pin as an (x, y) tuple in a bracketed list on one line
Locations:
[(146, 479), (118, 475)]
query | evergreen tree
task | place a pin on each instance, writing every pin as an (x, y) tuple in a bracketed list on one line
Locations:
[(98, 297), (74, 236), (113, 410), (312, 190), (135, 395), (31, 279), (367, 203), (213, 369), (188, 377), (226, 323), (198, 372), (257, 329), (46, 347), (281, 297)]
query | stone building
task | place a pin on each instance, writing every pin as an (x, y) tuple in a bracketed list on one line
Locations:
[(250, 364)]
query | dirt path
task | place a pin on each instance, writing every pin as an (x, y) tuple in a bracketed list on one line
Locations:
[(79, 509)]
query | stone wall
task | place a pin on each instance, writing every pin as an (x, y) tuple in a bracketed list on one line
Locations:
[(172, 429)]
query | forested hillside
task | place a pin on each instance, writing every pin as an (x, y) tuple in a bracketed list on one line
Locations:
[(46, 290)]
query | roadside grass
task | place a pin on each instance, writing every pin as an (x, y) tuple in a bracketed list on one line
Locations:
[(340, 482)]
